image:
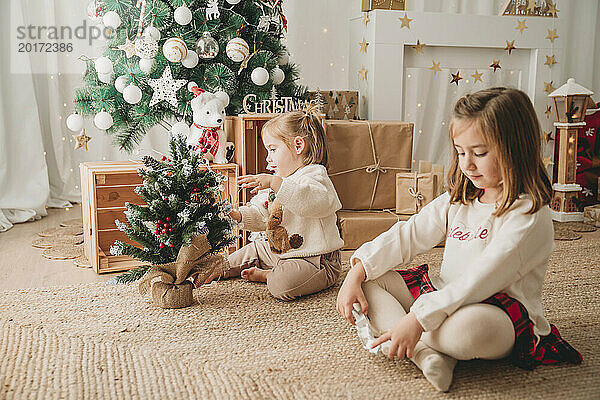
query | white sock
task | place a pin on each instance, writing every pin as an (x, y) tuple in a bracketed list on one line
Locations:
[(438, 368)]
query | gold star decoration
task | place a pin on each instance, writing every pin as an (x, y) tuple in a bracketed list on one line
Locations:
[(548, 111), (477, 77), (363, 46), (128, 47), (435, 67), (495, 64), (510, 46), (405, 21), (548, 88), (362, 73), (456, 77), (550, 61), (551, 35), (552, 9), (548, 161), (365, 18), (521, 25), (531, 5), (82, 140), (548, 137), (419, 47)]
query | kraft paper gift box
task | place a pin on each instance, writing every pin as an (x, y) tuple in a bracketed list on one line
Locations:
[(363, 159), (368, 5), (414, 191), (358, 227), (338, 104)]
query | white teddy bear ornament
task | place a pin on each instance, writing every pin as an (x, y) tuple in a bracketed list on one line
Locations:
[(206, 133)]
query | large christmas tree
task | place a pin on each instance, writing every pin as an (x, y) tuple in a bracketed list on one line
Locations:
[(159, 45), (182, 197)]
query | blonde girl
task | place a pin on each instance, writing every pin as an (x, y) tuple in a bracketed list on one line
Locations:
[(495, 219), (296, 206)]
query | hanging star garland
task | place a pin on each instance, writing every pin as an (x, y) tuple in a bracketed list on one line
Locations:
[(419, 47), (548, 161), (521, 26), (531, 5), (548, 88), (362, 73), (477, 77), (363, 46), (165, 88), (548, 111), (550, 61), (548, 137), (365, 18), (128, 47), (551, 35), (82, 140), (510, 46), (553, 10), (456, 77), (405, 21), (435, 67), (495, 64)]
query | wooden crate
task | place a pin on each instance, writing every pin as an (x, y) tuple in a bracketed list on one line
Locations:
[(105, 188)]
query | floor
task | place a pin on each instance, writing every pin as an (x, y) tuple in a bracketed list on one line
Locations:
[(22, 266)]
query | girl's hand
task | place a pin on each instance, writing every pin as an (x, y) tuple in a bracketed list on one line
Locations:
[(235, 215), (404, 336), (351, 292), (259, 182)]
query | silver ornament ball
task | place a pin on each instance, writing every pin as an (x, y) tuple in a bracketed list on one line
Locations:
[(207, 47)]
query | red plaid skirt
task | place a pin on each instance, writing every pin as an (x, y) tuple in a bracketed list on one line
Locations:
[(526, 353)]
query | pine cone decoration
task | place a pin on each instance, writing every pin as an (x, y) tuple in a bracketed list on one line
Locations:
[(151, 162)]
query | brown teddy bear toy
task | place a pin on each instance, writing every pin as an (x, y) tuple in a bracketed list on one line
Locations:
[(277, 235)]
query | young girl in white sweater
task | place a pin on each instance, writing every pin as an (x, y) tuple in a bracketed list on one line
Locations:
[(296, 206), (495, 218)]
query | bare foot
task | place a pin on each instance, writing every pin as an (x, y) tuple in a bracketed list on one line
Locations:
[(255, 274)]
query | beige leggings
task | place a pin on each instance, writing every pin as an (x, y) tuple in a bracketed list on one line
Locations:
[(289, 278), (474, 331)]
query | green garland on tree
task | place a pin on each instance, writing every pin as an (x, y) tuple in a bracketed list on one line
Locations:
[(242, 20), (181, 194)]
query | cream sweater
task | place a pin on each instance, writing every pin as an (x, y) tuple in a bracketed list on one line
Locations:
[(484, 255), (309, 202)]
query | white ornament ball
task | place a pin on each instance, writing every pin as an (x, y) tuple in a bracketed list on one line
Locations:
[(233, 1), (277, 75), (284, 58), (75, 122), (132, 94), (190, 60), (146, 65), (223, 96), (106, 78), (259, 76), (120, 83), (237, 49), (103, 65), (146, 47), (152, 32), (111, 19), (180, 129), (175, 49), (103, 120), (182, 15)]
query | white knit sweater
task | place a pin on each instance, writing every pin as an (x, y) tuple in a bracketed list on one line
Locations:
[(484, 255), (309, 202)]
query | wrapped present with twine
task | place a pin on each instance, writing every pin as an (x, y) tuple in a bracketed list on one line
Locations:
[(368, 5), (171, 284), (414, 190), (358, 227), (363, 159)]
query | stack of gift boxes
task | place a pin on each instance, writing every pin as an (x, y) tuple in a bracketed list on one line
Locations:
[(370, 166)]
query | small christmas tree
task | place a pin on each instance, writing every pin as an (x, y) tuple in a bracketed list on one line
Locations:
[(182, 197)]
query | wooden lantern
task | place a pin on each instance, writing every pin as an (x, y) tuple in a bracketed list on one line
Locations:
[(570, 103)]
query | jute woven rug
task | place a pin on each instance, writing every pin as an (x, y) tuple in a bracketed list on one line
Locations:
[(105, 342)]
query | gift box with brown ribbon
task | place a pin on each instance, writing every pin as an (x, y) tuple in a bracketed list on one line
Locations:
[(414, 190), (364, 157), (337, 104), (358, 227)]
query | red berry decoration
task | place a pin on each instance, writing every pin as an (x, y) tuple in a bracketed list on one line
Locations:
[(170, 230), (168, 219), (162, 245), (163, 158), (166, 225), (156, 232), (164, 231), (160, 221), (171, 245), (266, 204)]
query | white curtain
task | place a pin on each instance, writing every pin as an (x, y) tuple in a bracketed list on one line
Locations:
[(40, 168)]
